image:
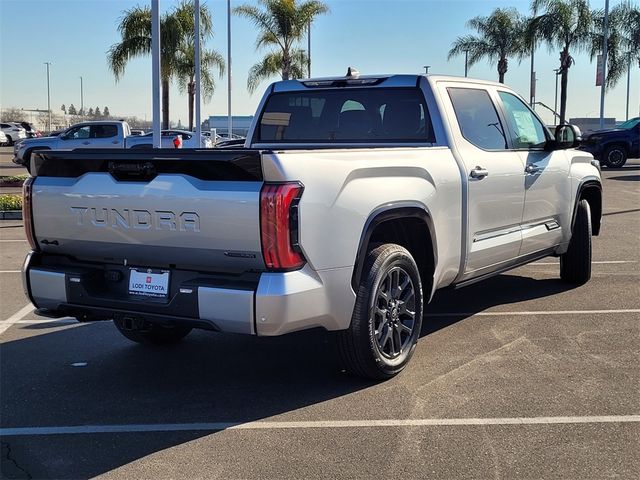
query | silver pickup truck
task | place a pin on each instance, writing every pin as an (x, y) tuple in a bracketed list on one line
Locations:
[(102, 134), (353, 200)]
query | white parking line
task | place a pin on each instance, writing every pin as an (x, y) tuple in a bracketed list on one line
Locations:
[(13, 241), (604, 262), (536, 312), (16, 317), (10, 271), (260, 425)]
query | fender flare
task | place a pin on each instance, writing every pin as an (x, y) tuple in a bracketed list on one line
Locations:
[(584, 185), (383, 214)]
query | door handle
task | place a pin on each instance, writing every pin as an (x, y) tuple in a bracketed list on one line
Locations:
[(531, 168), (479, 173), (85, 143)]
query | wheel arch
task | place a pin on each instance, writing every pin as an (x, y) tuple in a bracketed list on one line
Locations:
[(591, 191), (410, 226)]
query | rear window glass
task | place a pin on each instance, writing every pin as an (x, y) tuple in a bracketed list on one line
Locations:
[(346, 116)]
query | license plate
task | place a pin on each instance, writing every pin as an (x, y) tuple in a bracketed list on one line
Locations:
[(149, 284)]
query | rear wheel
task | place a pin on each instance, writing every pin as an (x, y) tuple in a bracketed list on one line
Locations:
[(575, 265), (151, 334), (9, 140), (615, 156), (387, 317)]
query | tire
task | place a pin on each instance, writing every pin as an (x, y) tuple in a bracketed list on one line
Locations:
[(9, 140), (575, 265), (615, 156), (377, 344), (151, 334)]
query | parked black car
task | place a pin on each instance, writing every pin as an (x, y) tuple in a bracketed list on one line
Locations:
[(612, 147)]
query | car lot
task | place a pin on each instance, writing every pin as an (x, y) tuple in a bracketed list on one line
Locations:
[(517, 377)]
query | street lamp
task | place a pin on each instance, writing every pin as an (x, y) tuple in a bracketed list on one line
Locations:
[(426, 69), (81, 98), (48, 64), (555, 104)]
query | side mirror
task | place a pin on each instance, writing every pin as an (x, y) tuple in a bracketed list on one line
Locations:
[(567, 136)]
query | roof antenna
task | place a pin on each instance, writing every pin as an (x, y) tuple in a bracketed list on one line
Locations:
[(352, 72)]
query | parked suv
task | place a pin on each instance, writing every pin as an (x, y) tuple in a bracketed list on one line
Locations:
[(613, 146), (13, 131)]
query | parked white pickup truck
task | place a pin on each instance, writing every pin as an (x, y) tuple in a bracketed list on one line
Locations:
[(354, 199), (102, 134)]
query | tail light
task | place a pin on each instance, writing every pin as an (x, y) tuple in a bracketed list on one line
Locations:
[(177, 141), (27, 213), (279, 226)]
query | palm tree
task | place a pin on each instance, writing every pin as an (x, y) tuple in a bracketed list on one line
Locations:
[(186, 72), (282, 24), (185, 65), (135, 31), (563, 24), (500, 36)]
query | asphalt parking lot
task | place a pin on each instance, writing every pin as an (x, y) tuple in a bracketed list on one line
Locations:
[(520, 376)]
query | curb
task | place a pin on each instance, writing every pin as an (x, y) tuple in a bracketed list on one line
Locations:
[(10, 214)]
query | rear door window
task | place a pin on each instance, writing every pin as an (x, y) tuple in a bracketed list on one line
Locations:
[(477, 118), (104, 131), (348, 115)]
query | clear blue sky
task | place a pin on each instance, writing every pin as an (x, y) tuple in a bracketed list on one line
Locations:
[(376, 36)]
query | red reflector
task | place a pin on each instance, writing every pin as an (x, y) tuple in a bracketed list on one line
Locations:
[(279, 225), (177, 141)]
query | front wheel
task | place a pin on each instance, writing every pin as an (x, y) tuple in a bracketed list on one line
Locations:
[(575, 264), (615, 156), (387, 317), (150, 334)]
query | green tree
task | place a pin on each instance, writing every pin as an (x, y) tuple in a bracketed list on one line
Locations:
[(185, 59), (72, 110), (566, 25), (135, 33), (97, 113), (106, 112), (281, 24), (90, 113), (500, 36), (63, 108)]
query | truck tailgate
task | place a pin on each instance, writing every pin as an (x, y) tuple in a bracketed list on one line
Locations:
[(196, 209)]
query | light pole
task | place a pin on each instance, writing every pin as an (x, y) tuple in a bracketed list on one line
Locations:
[(229, 119), (81, 98), (555, 103), (155, 72), (309, 49), (605, 45), (198, 72), (628, 82), (426, 69), (48, 64)]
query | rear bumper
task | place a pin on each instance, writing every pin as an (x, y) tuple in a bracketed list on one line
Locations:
[(264, 304)]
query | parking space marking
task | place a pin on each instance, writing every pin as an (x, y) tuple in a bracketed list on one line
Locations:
[(16, 317), (534, 312), (606, 262), (275, 425), (10, 271), (13, 241)]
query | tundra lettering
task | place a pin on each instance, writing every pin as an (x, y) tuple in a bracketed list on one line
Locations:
[(139, 219)]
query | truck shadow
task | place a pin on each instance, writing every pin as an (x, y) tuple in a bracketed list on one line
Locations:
[(500, 290), (207, 378)]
